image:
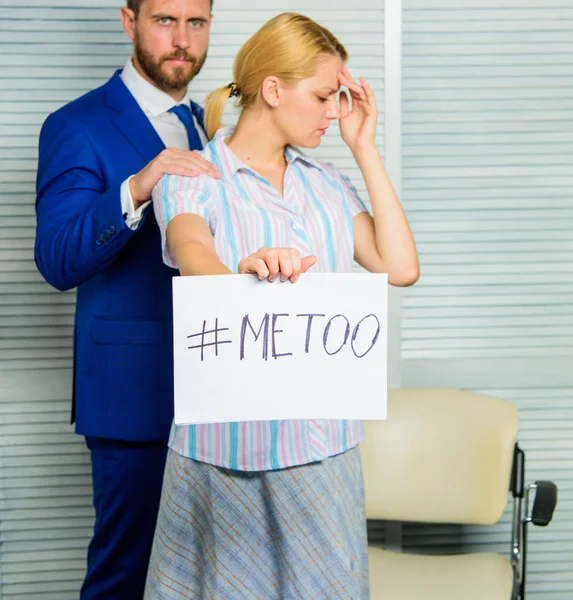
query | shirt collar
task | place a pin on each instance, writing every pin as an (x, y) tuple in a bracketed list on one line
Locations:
[(152, 100), (231, 164), (293, 153)]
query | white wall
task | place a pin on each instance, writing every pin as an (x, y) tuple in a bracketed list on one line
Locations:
[(488, 186)]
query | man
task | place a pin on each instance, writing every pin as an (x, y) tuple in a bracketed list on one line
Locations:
[(100, 157)]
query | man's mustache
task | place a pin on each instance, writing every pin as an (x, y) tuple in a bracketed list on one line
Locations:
[(186, 57)]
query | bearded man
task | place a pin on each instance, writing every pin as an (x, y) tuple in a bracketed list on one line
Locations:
[(99, 158)]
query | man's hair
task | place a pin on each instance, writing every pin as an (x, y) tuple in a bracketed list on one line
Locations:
[(135, 5)]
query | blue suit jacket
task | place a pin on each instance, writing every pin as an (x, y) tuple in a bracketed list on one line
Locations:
[(123, 356)]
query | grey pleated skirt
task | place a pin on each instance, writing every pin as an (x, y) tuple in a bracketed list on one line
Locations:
[(297, 533)]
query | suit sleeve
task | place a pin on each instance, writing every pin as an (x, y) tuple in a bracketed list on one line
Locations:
[(80, 227)]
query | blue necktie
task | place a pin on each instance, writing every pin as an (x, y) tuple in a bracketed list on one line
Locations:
[(185, 116)]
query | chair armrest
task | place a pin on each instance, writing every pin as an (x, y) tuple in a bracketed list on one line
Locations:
[(544, 503)]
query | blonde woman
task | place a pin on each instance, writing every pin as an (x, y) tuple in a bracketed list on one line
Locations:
[(275, 510)]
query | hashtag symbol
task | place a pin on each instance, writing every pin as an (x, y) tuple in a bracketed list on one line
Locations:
[(204, 333)]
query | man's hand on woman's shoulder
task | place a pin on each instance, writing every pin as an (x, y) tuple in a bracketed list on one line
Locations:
[(170, 161)]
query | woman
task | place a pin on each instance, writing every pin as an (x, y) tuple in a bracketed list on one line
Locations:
[(276, 509)]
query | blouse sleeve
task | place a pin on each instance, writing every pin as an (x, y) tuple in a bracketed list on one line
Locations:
[(174, 195), (353, 200)]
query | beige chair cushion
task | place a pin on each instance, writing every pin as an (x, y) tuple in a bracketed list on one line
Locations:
[(393, 576), (443, 456)]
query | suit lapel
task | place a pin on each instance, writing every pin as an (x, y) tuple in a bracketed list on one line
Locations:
[(131, 121)]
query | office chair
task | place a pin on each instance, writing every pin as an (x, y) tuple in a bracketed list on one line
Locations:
[(449, 456)]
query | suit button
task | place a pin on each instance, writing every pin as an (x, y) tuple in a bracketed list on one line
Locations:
[(98, 242)]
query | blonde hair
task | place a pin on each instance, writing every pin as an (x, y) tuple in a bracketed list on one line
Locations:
[(287, 47)]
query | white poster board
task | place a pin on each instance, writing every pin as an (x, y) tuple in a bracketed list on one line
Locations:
[(250, 350)]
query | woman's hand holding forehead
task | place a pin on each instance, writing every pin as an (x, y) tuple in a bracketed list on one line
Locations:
[(357, 127)]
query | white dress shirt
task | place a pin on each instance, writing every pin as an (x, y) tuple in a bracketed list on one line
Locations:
[(155, 104)]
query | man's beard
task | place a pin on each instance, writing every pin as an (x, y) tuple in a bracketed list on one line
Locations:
[(179, 77)]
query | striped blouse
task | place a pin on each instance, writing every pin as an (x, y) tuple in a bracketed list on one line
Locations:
[(244, 213)]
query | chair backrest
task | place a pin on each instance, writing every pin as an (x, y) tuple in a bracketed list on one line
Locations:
[(442, 456)]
